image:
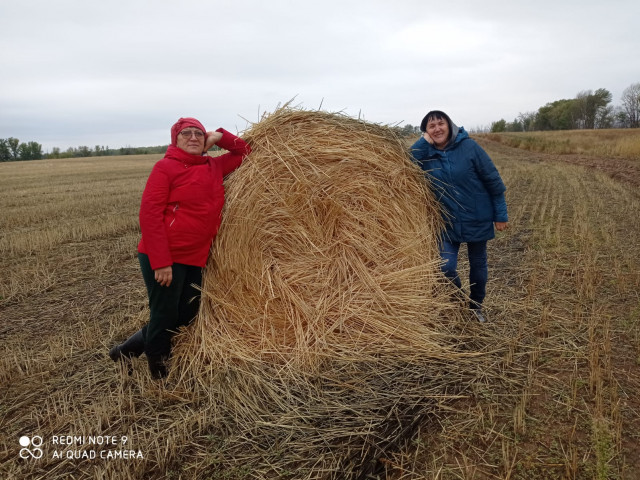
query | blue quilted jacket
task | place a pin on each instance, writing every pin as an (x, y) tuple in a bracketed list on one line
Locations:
[(466, 183)]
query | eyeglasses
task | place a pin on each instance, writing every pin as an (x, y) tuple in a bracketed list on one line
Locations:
[(188, 133)]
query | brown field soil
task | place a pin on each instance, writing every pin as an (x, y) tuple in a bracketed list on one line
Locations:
[(565, 279)]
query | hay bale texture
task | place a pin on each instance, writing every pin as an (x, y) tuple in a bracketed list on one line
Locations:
[(327, 335)]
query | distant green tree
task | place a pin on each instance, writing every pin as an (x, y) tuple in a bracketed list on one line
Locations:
[(588, 104), (36, 150), (600, 107), (5, 152), (514, 126), (631, 104), (527, 120), (23, 152), (499, 126), (558, 115), (605, 117), (83, 151), (11, 150), (620, 119), (14, 145), (409, 129)]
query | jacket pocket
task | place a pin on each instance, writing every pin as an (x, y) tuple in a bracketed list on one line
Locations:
[(483, 208)]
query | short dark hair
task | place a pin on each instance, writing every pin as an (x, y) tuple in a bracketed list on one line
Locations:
[(435, 115)]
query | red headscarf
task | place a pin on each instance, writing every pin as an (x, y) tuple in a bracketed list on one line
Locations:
[(181, 124)]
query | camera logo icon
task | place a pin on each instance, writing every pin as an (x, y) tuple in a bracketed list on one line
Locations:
[(35, 443)]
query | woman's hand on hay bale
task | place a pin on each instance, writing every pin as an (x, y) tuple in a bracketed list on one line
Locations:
[(211, 139), (164, 276)]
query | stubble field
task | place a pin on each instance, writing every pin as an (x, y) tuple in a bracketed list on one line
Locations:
[(564, 280)]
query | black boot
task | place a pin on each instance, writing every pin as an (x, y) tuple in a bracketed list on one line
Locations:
[(131, 347), (157, 366)]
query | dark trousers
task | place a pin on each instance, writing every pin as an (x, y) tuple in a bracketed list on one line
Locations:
[(170, 307), (478, 268)]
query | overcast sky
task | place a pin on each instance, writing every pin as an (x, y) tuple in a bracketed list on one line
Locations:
[(120, 73)]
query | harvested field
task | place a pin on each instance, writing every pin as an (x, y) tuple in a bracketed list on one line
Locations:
[(563, 296)]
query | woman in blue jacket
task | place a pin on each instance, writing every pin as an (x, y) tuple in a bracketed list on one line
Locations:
[(471, 192)]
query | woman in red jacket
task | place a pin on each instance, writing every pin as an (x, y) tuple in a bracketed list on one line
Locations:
[(180, 214)]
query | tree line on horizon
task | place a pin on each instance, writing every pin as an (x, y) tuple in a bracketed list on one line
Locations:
[(588, 110), (12, 150)]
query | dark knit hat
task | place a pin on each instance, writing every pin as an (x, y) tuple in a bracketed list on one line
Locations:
[(437, 114)]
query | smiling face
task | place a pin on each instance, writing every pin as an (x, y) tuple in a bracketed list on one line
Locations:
[(438, 129), (191, 140)]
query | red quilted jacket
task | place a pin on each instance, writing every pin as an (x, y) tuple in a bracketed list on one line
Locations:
[(181, 206)]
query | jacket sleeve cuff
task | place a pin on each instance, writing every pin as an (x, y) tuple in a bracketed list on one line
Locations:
[(159, 263), (229, 141), (499, 208)]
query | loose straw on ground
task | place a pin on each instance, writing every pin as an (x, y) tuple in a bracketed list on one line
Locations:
[(327, 335)]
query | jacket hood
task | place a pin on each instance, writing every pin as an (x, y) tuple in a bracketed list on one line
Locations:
[(455, 130)]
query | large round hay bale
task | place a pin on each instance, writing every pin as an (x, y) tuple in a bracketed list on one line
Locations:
[(327, 333)]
